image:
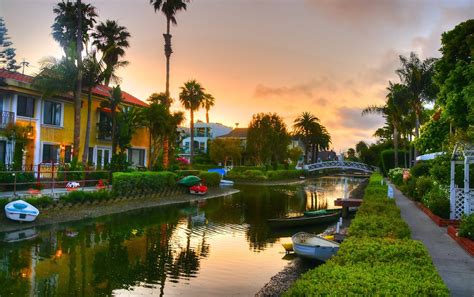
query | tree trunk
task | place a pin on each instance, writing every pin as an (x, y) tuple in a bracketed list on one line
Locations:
[(192, 137), (77, 97), (417, 130), (168, 52), (305, 154), (85, 154), (395, 146), (114, 133), (207, 115), (317, 153), (166, 149)]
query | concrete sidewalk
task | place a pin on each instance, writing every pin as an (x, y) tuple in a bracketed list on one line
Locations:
[(454, 264)]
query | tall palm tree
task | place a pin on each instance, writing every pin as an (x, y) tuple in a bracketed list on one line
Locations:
[(303, 127), (169, 8), (112, 40), (191, 97), (320, 139), (208, 102), (93, 76), (113, 102), (417, 75)]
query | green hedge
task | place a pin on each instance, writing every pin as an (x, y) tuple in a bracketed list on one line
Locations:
[(284, 174), (388, 159), (259, 175), (82, 196), (183, 173), (7, 177), (210, 179), (376, 259), (136, 183)]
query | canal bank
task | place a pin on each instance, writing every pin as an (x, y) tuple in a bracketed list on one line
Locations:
[(87, 211), (281, 282)]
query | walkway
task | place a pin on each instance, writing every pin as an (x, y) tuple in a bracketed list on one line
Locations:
[(48, 192), (455, 265)]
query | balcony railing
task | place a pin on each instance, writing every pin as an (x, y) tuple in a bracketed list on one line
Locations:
[(6, 117)]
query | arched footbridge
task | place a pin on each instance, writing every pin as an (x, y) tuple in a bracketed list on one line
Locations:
[(342, 165)]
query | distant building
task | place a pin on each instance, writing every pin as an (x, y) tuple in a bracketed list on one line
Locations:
[(203, 133), (238, 133)]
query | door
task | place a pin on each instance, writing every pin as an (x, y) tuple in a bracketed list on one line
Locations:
[(103, 156)]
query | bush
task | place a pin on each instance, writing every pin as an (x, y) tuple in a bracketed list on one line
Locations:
[(376, 259), (420, 169), (40, 202), (388, 160), (183, 173), (466, 229), (67, 171), (284, 174), (81, 196), (411, 188), (396, 175), (211, 179), (437, 201), (137, 183), (7, 177), (424, 184)]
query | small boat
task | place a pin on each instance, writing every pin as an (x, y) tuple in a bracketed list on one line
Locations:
[(189, 181), (313, 247), (288, 246), (198, 190), (320, 212), (304, 220), (22, 211), (225, 182)]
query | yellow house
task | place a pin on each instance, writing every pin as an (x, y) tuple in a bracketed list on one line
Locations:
[(50, 124)]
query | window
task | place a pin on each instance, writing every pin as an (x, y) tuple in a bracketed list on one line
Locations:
[(3, 151), (50, 152), (105, 126), (136, 157), (52, 113), (67, 154), (25, 106), (90, 156)]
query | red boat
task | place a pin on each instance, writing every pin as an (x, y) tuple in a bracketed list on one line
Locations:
[(198, 190)]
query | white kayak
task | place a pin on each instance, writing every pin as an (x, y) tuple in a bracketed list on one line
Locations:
[(225, 182), (22, 211), (312, 246)]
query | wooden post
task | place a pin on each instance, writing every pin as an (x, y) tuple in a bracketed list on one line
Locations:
[(452, 192), (467, 195)]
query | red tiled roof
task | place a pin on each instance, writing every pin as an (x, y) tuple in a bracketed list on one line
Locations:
[(99, 90)]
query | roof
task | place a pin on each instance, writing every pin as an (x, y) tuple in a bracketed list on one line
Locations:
[(99, 90), (237, 133)]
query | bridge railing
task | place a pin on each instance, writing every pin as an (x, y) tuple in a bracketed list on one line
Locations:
[(340, 164)]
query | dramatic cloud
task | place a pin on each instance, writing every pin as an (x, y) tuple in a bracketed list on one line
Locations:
[(304, 89), (352, 119)]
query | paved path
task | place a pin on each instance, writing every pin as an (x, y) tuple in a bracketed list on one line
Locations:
[(454, 264), (48, 192)]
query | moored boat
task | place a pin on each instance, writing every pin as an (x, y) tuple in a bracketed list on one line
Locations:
[(225, 182), (304, 220), (321, 212), (198, 190), (22, 211), (313, 247), (189, 181)]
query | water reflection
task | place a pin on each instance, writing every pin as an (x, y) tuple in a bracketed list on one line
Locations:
[(190, 249)]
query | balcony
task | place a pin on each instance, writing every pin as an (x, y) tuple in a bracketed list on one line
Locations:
[(6, 117)]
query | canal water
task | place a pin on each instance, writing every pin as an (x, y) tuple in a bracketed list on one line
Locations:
[(217, 247)]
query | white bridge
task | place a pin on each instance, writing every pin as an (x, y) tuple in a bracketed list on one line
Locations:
[(343, 165)]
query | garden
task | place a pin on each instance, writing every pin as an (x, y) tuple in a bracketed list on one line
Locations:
[(377, 258)]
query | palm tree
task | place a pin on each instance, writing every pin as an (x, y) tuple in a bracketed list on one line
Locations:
[(191, 97), (56, 77), (112, 40), (169, 8), (93, 76), (303, 127), (320, 139), (417, 76), (208, 102), (113, 102)]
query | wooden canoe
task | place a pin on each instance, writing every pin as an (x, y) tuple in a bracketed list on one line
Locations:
[(304, 220)]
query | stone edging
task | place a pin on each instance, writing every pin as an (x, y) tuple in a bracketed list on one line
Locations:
[(436, 219), (466, 243)]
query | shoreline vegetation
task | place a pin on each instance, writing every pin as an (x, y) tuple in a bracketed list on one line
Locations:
[(68, 212), (377, 258)]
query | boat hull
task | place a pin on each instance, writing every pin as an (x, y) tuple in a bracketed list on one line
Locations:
[(313, 247), (304, 220), (225, 182), (26, 214)]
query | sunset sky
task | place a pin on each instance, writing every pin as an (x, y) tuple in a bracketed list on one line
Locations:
[(329, 57)]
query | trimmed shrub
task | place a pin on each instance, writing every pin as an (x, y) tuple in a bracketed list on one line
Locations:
[(137, 183), (211, 179), (466, 228), (424, 184), (7, 177), (183, 173), (396, 175), (388, 160), (40, 202), (82, 196), (438, 202), (284, 174), (420, 169)]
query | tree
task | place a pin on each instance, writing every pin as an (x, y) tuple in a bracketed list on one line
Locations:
[(417, 76), (112, 40), (455, 75), (169, 8), (303, 127), (191, 97), (113, 102), (360, 148), (267, 139), (71, 28), (434, 135), (351, 154), (129, 120), (320, 139), (165, 100), (7, 53), (56, 77), (294, 154), (208, 102), (225, 149)]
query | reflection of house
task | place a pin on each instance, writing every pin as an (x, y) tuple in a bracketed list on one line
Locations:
[(204, 132), (50, 124), (238, 133)]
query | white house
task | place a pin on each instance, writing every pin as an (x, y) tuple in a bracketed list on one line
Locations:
[(203, 132)]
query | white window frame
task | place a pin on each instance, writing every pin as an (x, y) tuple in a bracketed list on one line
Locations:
[(50, 143), (144, 156), (96, 154), (61, 117)]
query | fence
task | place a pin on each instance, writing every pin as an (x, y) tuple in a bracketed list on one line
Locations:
[(54, 176)]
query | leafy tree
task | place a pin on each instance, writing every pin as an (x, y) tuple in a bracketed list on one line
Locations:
[(113, 102), (225, 149), (360, 148), (7, 53), (208, 102), (351, 154), (455, 75), (191, 97), (417, 76), (56, 77), (267, 139), (433, 136), (111, 39), (313, 135), (294, 154)]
